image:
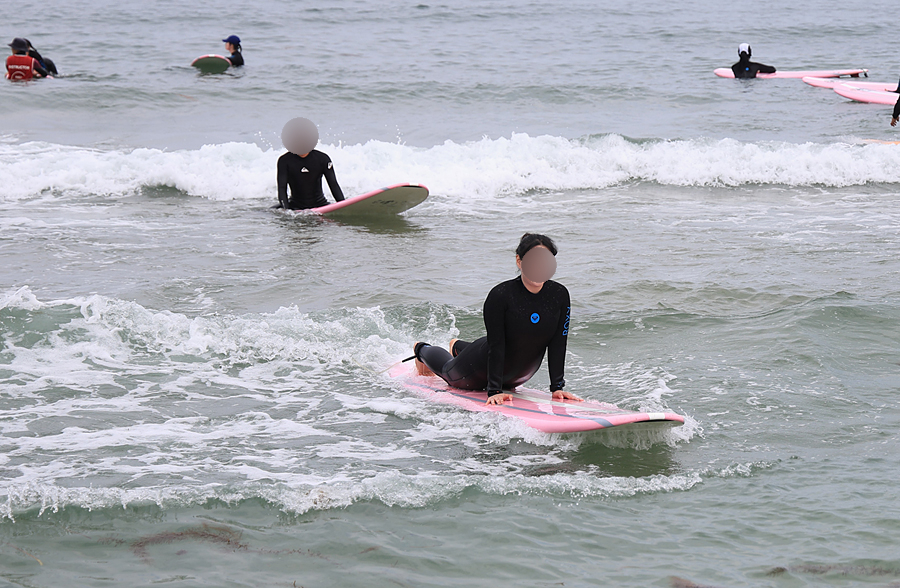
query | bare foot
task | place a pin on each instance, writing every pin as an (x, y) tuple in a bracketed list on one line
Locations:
[(452, 343), (422, 369)]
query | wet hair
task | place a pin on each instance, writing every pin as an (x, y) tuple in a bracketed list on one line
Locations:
[(531, 240)]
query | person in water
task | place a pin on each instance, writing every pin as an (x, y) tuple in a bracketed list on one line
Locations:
[(19, 66), (525, 318), (46, 63), (744, 68), (303, 167), (233, 46), (895, 116)]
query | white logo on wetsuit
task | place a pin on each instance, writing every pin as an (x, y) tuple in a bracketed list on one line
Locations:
[(329, 165), (305, 170)]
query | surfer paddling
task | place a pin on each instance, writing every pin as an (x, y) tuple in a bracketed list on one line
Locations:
[(524, 317), (746, 69), (303, 167)]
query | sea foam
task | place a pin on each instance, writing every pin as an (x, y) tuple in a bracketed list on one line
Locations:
[(466, 172)]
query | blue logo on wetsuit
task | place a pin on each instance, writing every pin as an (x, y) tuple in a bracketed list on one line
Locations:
[(535, 318)]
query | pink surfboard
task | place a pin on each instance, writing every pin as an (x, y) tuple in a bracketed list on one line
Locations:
[(832, 82), (391, 200), (725, 72), (864, 95), (537, 409)]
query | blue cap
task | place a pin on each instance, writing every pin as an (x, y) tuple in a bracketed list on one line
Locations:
[(233, 39)]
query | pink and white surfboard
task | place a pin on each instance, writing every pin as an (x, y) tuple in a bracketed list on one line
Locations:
[(852, 92), (725, 72), (385, 201), (830, 83), (537, 409)]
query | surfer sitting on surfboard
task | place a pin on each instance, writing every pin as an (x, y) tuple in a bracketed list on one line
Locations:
[(744, 68), (524, 318), (233, 46), (302, 168), (19, 66)]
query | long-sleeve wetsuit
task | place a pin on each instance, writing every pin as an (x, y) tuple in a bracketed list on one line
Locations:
[(521, 327), (304, 176), (45, 63), (745, 68)]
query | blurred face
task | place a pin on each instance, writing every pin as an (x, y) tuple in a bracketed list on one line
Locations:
[(229, 47), (538, 265)]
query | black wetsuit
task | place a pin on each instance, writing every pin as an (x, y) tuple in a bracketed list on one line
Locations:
[(745, 68), (236, 59), (45, 63), (304, 176), (521, 326)]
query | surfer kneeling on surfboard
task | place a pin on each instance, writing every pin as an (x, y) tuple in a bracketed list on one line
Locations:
[(303, 167), (744, 68), (233, 46), (19, 66), (524, 318)]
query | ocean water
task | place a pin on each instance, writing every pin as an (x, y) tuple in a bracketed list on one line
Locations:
[(190, 383)]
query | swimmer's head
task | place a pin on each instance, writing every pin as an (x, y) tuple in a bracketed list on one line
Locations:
[(234, 41), (536, 257), (299, 135), (744, 48)]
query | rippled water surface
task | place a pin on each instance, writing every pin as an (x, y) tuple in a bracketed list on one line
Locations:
[(191, 384)]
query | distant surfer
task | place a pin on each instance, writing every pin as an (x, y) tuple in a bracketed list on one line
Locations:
[(233, 46), (20, 66), (525, 318), (45, 62), (895, 116), (744, 68), (302, 168)]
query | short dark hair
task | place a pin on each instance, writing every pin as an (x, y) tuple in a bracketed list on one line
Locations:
[(532, 240)]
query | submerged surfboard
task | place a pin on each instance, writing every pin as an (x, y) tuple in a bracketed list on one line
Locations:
[(386, 201), (725, 72), (852, 92), (211, 63), (537, 409), (832, 82)]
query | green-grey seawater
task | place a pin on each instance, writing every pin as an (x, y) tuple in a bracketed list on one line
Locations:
[(189, 381)]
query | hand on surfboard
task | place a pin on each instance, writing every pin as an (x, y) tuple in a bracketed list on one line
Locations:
[(558, 395), (563, 395)]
